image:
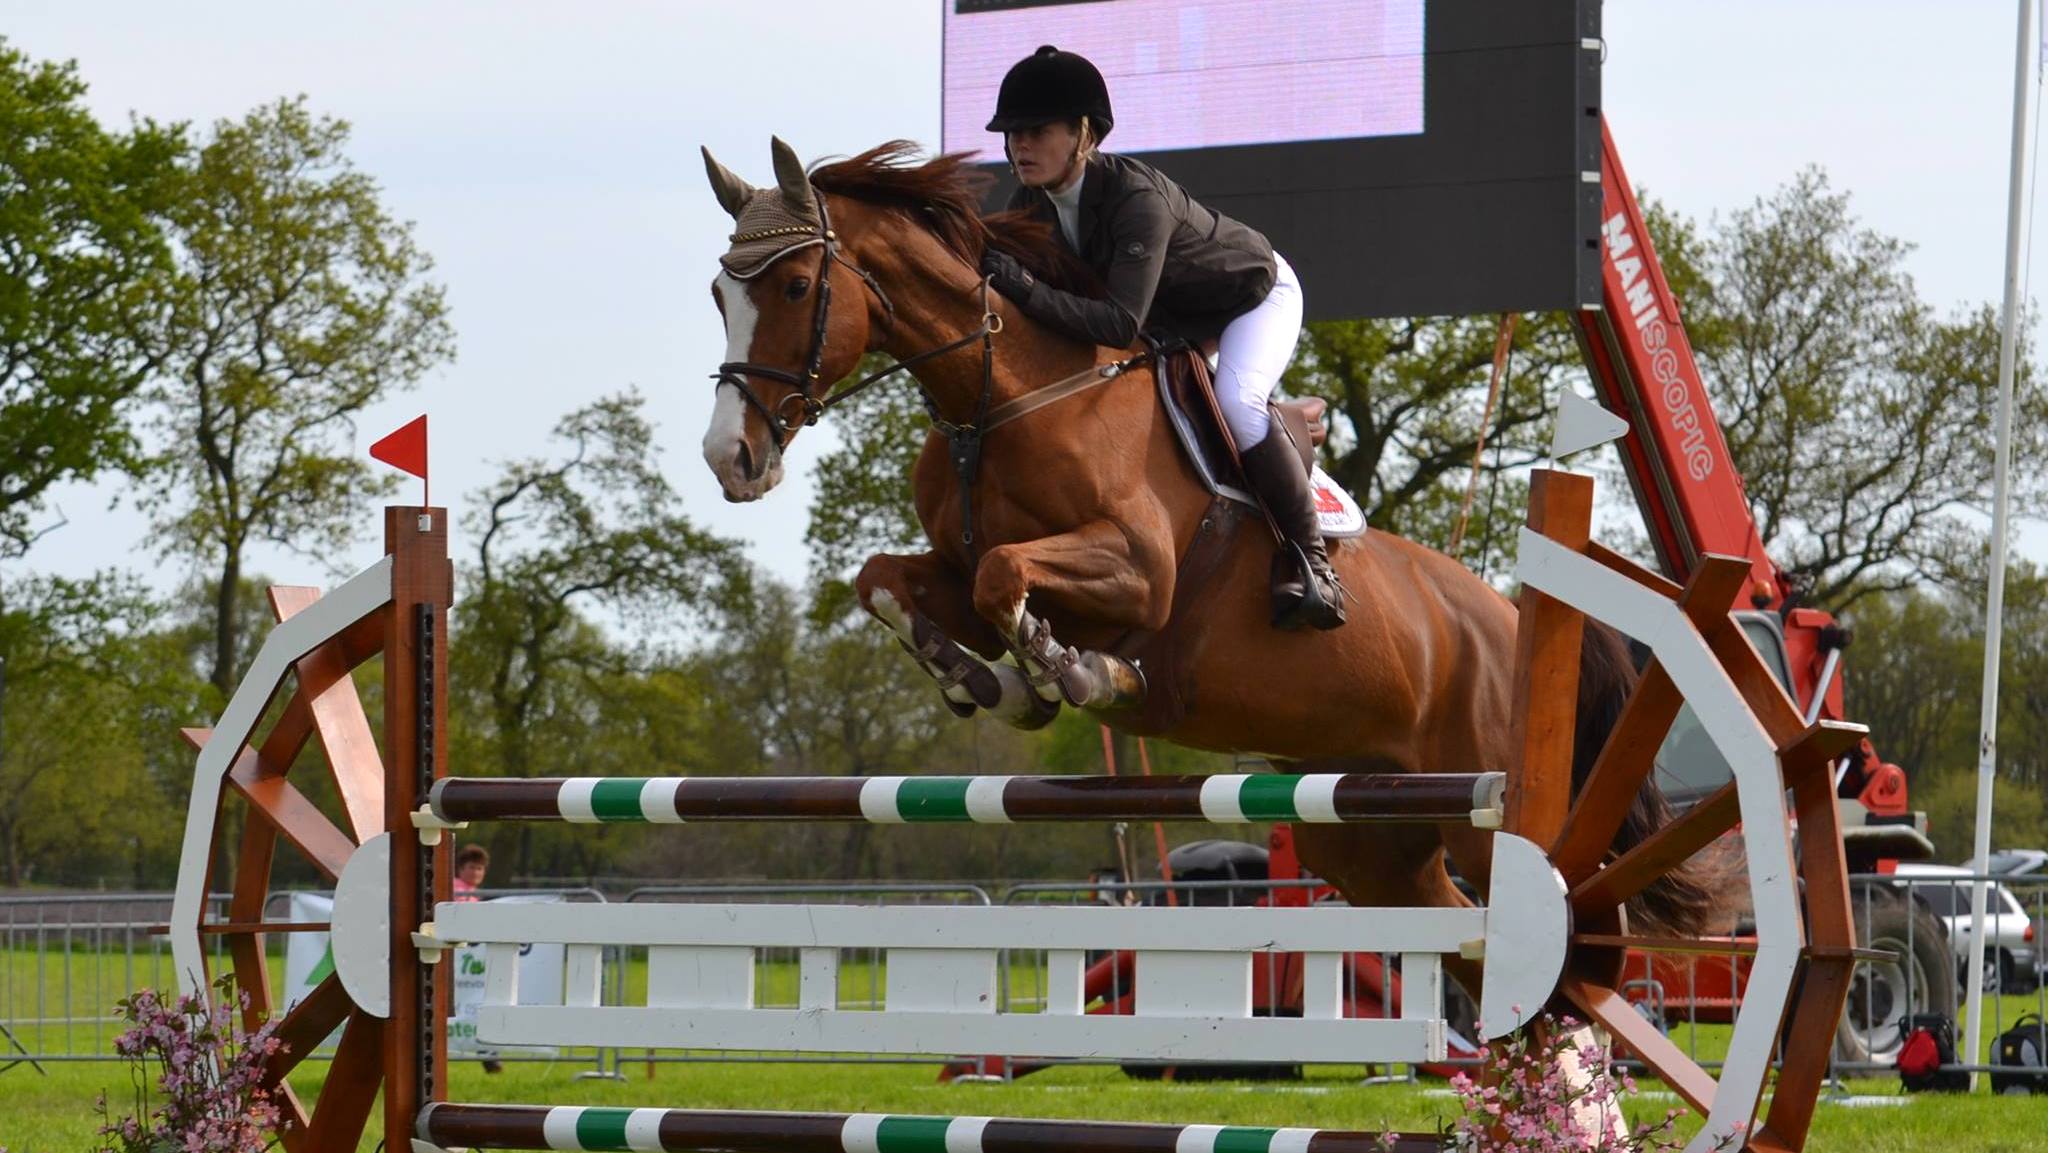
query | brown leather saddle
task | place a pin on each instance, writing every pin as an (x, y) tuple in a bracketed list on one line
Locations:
[(1187, 390)]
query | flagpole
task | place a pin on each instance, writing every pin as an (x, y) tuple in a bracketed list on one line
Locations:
[(2017, 197)]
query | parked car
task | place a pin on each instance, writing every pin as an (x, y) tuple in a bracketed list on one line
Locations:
[(2009, 963), (2019, 863)]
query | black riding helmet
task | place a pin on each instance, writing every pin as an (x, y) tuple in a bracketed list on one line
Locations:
[(1051, 85)]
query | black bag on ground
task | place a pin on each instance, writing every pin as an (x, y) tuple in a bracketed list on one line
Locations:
[(2023, 1049), (1930, 1047)]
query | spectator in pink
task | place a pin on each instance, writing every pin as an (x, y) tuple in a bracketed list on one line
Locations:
[(471, 861)]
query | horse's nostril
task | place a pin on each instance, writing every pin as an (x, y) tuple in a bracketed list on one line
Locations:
[(744, 459)]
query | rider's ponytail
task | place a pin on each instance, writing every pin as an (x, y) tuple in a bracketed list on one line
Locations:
[(1086, 141)]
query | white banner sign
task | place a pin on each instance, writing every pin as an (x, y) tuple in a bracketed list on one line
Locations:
[(308, 960)]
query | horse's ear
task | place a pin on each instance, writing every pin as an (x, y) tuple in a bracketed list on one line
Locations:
[(732, 192), (789, 173)]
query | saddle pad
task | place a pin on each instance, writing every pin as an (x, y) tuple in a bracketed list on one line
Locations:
[(1336, 511)]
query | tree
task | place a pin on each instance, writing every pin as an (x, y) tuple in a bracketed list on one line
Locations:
[(1859, 420), (74, 790), (813, 695), (2019, 814), (798, 693), (2023, 668), (559, 543), (300, 302), (1914, 682), (1918, 682), (83, 282)]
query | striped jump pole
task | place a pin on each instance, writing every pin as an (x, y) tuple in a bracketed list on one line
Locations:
[(717, 1131), (1232, 798)]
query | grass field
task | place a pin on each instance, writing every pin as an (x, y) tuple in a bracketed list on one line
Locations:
[(54, 1111), (41, 1114)]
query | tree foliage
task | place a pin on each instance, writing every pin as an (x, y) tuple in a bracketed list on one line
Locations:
[(1918, 659), (565, 546), (299, 302), (84, 272), (1408, 408), (77, 694), (1859, 416)]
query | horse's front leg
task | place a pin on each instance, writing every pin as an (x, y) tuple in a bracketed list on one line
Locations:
[(926, 603), (1098, 573)]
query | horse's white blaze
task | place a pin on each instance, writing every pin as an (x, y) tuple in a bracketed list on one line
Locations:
[(728, 428)]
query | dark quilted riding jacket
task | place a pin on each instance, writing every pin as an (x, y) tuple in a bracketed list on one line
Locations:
[(1171, 266)]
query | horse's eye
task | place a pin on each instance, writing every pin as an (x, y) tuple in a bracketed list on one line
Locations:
[(797, 288)]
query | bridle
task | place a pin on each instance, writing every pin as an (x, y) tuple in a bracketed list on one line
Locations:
[(963, 440), (803, 406)]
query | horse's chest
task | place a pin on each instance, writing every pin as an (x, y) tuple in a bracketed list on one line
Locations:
[(1015, 495)]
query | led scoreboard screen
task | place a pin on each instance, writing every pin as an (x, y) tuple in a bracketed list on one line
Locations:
[(1409, 157)]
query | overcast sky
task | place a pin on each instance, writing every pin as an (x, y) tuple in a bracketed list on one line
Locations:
[(547, 154)]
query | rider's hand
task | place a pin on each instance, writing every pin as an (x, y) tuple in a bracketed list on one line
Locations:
[(1006, 275)]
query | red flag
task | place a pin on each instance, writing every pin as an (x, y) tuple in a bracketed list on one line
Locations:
[(406, 449)]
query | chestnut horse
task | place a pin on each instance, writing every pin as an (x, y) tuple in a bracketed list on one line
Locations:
[(1083, 516)]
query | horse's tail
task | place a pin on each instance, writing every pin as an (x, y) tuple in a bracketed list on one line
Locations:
[(1688, 901)]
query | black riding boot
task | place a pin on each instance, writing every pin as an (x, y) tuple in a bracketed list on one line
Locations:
[(1306, 592)]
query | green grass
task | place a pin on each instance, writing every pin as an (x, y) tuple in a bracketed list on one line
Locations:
[(54, 1112)]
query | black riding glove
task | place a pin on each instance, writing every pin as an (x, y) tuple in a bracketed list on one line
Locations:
[(1007, 276)]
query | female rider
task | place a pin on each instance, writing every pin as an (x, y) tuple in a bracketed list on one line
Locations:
[(1169, 265)]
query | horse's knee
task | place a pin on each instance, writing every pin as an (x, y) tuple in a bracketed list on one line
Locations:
[(880, 572), (1000, 586), (884, 594)]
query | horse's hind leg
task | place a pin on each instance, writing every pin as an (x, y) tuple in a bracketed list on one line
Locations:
[(1378, 866), (927, 606)]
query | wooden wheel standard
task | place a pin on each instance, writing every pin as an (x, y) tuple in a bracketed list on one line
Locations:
[(1802, 957), (397, 608)]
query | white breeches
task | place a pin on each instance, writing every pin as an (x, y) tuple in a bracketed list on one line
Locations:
[(1253, 352)]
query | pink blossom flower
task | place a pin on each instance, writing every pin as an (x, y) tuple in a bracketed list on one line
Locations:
[(211, 1077), (1551, 1089)]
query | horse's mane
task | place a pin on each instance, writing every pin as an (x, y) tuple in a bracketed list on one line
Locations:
[(945, 194)]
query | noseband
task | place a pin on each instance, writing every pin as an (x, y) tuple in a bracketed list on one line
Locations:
[(803, 406)]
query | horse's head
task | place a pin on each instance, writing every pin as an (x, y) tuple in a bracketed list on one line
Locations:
[(785, 343)]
